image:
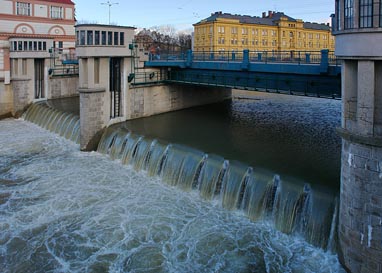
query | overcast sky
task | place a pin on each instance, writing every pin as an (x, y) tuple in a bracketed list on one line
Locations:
[(183, 13)]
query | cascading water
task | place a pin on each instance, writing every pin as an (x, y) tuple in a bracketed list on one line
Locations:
[(293, 207), (65, 124)]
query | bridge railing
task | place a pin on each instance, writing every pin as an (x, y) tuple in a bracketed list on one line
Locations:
[(274, 56), (297, 57), (149, 77), (64, 70)]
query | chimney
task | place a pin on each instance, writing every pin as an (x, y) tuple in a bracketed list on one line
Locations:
[(264, 13), (270, 13)]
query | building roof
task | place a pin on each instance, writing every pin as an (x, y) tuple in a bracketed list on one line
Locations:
[(271, 19), (67, 2)]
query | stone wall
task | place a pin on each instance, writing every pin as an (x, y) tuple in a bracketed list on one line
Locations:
[(63, 87), (21, 94), (94, 116), (360, 230), (151, 100), (6, 100)]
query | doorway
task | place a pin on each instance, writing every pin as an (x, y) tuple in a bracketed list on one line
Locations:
[(115, 87), (39, 79)]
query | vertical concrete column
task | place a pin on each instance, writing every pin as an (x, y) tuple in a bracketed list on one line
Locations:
[(94, 116), (360, 220), (7, 66), (365, 97)]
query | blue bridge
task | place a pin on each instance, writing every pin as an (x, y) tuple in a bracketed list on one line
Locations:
[(314, 73)]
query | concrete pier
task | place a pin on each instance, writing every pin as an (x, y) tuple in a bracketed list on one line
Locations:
[(359, 45)]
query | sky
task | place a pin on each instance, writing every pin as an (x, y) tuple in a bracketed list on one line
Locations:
[(181, 14)]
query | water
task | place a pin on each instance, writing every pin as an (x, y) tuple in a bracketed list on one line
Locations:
[(62, 210), (288, 135)]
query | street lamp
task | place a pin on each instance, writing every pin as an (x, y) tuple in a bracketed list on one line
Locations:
[(109, 3)]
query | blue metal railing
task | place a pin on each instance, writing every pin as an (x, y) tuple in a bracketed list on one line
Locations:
[(297, 57)]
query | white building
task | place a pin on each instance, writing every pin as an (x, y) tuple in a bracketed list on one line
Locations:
[(29, 30)]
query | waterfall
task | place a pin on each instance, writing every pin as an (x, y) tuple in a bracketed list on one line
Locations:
[(293, 207), (62, 123)]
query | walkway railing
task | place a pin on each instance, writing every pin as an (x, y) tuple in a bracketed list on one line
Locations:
[(297, 57), (65, 70)]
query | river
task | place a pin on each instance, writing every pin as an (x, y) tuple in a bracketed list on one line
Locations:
[(62, 210)]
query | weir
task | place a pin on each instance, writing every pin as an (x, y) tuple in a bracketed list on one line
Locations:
[(64, 124), (292, 207)]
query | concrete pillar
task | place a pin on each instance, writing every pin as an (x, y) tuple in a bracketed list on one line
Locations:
[(360, 220), (93, 105)]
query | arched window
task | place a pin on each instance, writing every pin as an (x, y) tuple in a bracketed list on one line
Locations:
[(365, 13), (349, 14)]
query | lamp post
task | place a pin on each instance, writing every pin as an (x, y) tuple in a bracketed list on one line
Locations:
[(109, 3)]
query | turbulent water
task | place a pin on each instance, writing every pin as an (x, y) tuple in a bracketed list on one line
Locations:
[(62, 210)]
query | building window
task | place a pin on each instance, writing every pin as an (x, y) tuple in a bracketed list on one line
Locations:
[(89, 39), (122, 38), (221, 29), (349, 14), (244, 31), (60, 45), (82, 37), (103, 37), (77, 37), (380, 13), (109, 38), (338, 14), (234, 30), (365, 13), (96, 37), (56, 12), (115, 38), (23, 8)]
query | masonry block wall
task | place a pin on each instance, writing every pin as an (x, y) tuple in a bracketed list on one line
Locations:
[(94, 116), (61, 87), (361, 205), (6, 100)]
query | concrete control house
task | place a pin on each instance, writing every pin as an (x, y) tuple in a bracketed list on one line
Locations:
[(30, 31)]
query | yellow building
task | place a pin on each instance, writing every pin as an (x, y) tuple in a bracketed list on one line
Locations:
[(275, 31)]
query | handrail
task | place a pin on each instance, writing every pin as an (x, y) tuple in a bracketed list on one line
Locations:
[(261, 56)]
